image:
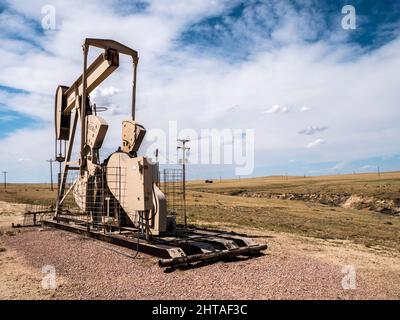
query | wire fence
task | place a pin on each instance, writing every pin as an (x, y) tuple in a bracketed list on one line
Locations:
[(172, 187), (34, 213), (99, 198)]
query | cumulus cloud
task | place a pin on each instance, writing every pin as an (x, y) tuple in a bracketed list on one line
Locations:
[(104, 100), (105, 92), (311, 130), (316, 143)]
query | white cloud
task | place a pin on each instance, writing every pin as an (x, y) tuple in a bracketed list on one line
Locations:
[(316, 143), (276, 109), (311, 130), (105, 92), (304, 109), (368, 167), (6, 118), (104, 97), (338, 166)]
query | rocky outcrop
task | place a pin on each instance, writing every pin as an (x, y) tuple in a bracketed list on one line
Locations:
[(351, 201)]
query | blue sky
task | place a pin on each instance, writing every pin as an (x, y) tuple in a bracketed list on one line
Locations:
[(378, 23), (11, 120), (321, 99)]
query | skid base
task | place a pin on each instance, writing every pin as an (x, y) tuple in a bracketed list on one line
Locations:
[(173, 250)]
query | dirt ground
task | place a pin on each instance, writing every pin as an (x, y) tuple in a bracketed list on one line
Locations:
[(11, 213), (294, 267)]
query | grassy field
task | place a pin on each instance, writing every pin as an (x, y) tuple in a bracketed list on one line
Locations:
[(307, 219), (39, 194), (386, 186), (220, 204)]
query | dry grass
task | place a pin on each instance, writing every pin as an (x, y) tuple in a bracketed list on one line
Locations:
[(308, 219), (29, 194), (386, 186), (216, 205)]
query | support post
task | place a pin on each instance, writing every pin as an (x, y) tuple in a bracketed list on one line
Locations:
[(83, 108), (184, 149), (134, 89), (67, 159)]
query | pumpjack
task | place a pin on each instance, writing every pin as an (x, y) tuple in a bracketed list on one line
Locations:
[(119, 199)]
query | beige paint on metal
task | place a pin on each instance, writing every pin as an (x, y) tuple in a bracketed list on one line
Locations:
[(97, 72), (130, 176), (61, 120), (159, 223), (132, 136), (130, 180), (96, 131), (79, 192), (112, 44)]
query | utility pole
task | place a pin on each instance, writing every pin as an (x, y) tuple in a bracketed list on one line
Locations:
[(51, 173), (5, 179), (184, 149)]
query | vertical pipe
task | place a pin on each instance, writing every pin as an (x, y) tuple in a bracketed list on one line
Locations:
[(120, 199), (184, 193), (55, 149), (83, 105), (165, 182), (134, 90), (83, 124)]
